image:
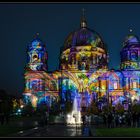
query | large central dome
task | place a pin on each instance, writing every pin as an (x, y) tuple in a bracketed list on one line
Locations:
[(83, 50), (83, 37)]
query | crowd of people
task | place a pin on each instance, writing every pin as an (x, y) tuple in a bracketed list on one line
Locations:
[(126, 119), (44, 119), (86, 119), (113, 120)]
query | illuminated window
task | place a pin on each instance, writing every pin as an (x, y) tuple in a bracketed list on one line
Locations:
[(115, 85), (65, 85), (134, 55), (52, 85), (126, 83), (103, 84), (37, 84), (134, 84)]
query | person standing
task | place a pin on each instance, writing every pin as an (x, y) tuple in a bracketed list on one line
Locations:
[(86, 119), (109, 120), (83, 119), (120, 120), (46, 118), (116, 120), (104, 119), (2, 118)]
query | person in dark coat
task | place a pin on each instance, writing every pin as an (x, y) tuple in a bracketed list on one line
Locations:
[(46, 118), (2, 118), (83, 119), (105, 119), (128, 119), (134, 117), (7, 117), (137, 119), (110, 117)]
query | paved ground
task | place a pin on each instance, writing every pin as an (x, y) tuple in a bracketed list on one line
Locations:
[(56, 130)]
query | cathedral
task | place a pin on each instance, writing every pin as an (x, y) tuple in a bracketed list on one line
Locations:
[(83, 71)]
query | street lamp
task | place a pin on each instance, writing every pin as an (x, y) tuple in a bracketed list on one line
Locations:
[(129, 104), (108, 100)]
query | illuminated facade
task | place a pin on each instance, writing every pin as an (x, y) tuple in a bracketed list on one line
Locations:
[(83, 71)]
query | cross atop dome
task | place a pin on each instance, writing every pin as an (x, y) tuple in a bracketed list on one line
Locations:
[(83, 20), (36, 35)]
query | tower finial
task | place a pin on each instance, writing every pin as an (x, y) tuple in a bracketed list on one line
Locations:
[(83, 10), (36, 35), (83, 20)]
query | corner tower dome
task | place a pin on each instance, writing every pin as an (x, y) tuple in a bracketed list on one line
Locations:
[(130, 53), (36, 43), (131, 39), (37, 55)]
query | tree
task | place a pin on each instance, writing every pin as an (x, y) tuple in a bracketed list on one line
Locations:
[(5, 105), (5, 101), (107, 108), (93, 109), (119, 108), (42, 108), (55, 108), (28, 109), (15, 104), (136, 108), (3, 95), (68, 107)]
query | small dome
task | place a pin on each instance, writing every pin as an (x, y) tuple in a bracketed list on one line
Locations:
[(36, 43), (83, 37), (130, 40)]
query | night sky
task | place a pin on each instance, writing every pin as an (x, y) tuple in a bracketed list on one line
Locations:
[(20, 22)]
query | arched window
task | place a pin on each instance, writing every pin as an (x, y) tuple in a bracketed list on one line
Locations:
[(134, 83), (134, 55), (115, 84), (35, 84)]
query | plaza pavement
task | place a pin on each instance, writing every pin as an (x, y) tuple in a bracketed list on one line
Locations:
[(58, 130)]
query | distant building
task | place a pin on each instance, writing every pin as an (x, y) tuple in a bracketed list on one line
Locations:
[(83, 71)]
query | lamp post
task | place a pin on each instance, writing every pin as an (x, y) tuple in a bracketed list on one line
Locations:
[(111, 98), (107, 91), (129, 103)]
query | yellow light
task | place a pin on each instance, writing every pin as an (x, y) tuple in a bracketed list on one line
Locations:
[(34, 101), (103, 87), (21, 106)]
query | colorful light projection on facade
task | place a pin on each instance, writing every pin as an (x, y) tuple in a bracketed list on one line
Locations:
[(83, 50), (83, 72)]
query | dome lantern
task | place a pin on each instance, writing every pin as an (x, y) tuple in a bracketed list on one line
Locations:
[(83, 20)]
